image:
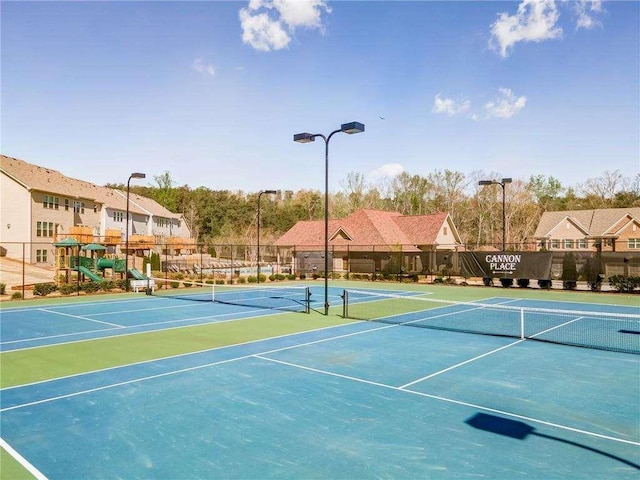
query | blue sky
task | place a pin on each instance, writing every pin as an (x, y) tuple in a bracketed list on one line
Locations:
[(212, 92)]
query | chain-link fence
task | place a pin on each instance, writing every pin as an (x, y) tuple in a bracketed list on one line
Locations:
[(26, 263)]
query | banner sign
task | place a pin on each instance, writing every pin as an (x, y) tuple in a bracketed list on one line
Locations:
[(532, 265)]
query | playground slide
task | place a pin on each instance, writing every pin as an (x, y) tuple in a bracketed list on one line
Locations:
[(137, 274), (117, 264), (88, 273)]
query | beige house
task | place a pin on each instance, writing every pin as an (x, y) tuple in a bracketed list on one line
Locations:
[(606, 230), (369, 241), (40, 206)]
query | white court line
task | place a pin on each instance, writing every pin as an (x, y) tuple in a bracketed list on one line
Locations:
[(557, 326), (130, 327), (80, 317), (21, 460), (402, 387), (102, 370), (260, 355), (451, 400), (174, 372)]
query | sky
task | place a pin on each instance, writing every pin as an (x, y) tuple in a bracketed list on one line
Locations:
[(212, 92)]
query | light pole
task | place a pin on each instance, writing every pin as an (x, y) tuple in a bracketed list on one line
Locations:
[(126, 233), (502, 183), (350, 128), (271, 192)]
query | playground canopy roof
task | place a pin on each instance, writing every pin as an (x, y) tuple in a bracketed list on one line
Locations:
[(67, 242), (93, 246)]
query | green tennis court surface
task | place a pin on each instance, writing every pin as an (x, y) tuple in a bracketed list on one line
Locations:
[(159, 387)]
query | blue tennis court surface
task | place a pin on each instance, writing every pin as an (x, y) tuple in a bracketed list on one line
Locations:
[(353, 401)]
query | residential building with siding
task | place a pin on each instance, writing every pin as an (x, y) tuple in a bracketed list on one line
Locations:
[(40, 206)]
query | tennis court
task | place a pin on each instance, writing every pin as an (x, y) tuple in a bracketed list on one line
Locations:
[(168, 387)]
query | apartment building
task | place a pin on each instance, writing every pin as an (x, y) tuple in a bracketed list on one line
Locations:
[(606, 230), (40, 206)]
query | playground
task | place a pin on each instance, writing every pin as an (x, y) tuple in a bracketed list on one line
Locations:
[(91, 262)]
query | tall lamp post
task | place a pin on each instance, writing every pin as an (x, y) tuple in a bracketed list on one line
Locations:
[(270, 192), (126, 233), (350, 128), (502, 183)]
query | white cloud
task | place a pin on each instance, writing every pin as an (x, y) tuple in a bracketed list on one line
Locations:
[(272, 29), (300, 13), (449, 106), (261, 32), (388, 170), (535, 21), (200, 66), (505, 106), (586, 11)]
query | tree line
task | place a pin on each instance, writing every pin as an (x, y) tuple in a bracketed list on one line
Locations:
[(229, 217)]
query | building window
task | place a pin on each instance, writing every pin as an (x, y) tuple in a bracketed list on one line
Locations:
[(95, 209), (118, 216), (66, 204), (567, 244), (44, 229), (78, 207), (50, 201), (582, 243), (555, 243), (633, 243), (41, 256)]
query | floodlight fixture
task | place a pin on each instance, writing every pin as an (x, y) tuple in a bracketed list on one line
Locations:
[(349, 128)]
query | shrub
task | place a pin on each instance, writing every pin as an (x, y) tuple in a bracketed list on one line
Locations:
[(89, 287), (569, 271), (291, 276), (44, 289), (438, 280), (242, 279), (487, 281), (220, 281), (624, 284), (68, 288), (174, 284), (252, 279), (187, 284), (303, 276), (272, 277), (3, 288), (523, 282), (544, 283), (506, 282), (16, 295), (106, 285), (263, 278)]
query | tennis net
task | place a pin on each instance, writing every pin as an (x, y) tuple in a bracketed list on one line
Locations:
[(278, 297), (618, 332)]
